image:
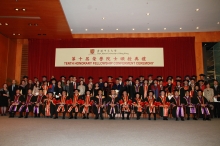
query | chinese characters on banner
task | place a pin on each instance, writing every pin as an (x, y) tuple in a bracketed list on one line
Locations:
[(109, 57)]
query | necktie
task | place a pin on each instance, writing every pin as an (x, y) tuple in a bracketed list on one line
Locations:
[(13, 88)]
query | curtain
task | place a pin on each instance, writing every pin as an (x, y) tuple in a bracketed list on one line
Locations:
[(179, 57)]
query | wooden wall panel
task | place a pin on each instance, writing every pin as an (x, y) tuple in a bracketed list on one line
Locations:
[(199, 38), (3, 59)]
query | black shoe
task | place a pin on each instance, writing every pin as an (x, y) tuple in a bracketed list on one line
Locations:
[(70, 117), (1, 114), (87, 117), (182, 119), (96, 118), (188, 118), (26, 117), (101, 118), (123, 118), (166, 118), (75, 117), (194, 118), (5, 114), (203, 119), (20, 117), (128, 118), (177, 119), (63, 118), (55, 117), (84, 117), (208, 119)]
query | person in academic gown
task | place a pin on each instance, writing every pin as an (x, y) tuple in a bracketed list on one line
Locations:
[(190, 107), (113, 106), (39, 104), (16, 103), (50, 106), (61, 105), (138, 105), (185, 88), (86, 107), (99, 104), (155, 87), (137, 88), (164, 105), (22, 88), (74, 106), (117, 87), (27, 105), (202, 106), (151, 109), (177, 107), (125, 105)]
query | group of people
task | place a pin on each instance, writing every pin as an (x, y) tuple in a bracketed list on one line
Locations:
[(171, 97)]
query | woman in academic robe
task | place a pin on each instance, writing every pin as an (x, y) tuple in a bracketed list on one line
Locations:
[(49, 105), (138, 105), (16, 103), (113, 106), (4, 96), (164, 105), (145, 87), (185, 88), (151, 108), (96, 89), (45, 87), (61, 105), (86, 107)]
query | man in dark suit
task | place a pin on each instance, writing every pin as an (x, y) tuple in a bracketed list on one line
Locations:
[(137, 88), (216, 89), (72, 85), (12, 89), (117, 87)]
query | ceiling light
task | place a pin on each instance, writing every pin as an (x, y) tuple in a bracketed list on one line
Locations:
[(30, 24), (19, 34), (197, 27), (86, 29), (218, 22), (101, 29), (148, 14), (165, 28), (103, 18), (133, 29), (71, 29), (6, 23), (23, 9), (180, 27), (13, 33), (0, 24), (116, 28), (36, 24), (197, 10), (148, 29), (16, 9)]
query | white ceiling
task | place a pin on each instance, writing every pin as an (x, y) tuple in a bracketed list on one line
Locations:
[(125, 15)]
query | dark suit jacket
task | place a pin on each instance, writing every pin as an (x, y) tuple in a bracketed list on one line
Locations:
[(12, 93)]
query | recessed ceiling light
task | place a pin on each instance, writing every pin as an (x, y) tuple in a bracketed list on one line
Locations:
[(71, 29), (116, 28), (180, 27), (23, 9), (218, 22), (103, 18), (148, 29), (86, 29), (197, 10), (13, 33), (16, 9), (133, 29), (0, 24), (19, 34), (30, 24), (148, 14), (197, 27), (36, 24), (165, 28), (6, 23), (101, 29)]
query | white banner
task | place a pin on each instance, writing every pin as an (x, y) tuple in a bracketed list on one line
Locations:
[(109, 57)]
